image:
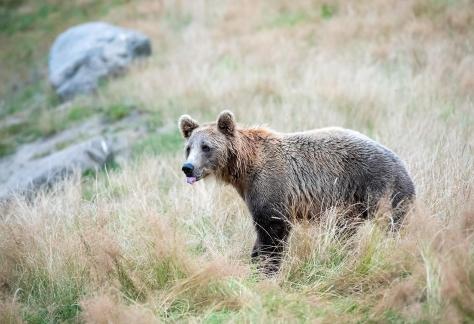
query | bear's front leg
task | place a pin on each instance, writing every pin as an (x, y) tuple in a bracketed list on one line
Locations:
[(272, 234), (256, 250)]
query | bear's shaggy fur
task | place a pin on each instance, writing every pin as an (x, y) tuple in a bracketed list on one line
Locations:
[(283, 177)]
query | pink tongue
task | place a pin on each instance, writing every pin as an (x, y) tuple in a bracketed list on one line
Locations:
[(190, 180)]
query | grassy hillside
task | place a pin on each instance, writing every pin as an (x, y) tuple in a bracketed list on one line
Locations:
[(137, 244)]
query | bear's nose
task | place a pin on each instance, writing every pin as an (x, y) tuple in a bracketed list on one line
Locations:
[(188, 169)]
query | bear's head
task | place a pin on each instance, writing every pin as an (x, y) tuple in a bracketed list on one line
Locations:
[(206, 147)]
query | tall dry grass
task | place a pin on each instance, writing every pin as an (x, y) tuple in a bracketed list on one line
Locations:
[(139, 245)]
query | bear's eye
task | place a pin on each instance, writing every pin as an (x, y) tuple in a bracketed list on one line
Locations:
[(188, 149), (205, 148)]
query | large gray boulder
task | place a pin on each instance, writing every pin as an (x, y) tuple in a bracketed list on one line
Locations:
[(85, 54)]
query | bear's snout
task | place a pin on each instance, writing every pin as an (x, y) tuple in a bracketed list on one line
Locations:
[(188, 169)]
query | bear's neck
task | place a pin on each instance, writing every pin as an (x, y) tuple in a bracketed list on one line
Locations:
[(244, 153)]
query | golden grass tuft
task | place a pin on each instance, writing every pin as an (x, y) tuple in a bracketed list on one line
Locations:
[(104, 309), (10, 312)]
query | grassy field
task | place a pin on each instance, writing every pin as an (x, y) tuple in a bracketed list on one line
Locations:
[(136, 244)]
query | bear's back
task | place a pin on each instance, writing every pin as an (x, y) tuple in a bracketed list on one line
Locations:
[(336, 165)]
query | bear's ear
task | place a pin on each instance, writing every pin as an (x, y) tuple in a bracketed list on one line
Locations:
[(226, 123), (187, 125)]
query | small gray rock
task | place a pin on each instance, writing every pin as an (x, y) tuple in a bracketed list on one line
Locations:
[(85, 54), (35, 174)]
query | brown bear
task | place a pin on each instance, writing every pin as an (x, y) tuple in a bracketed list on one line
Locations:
[(283, 177)]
